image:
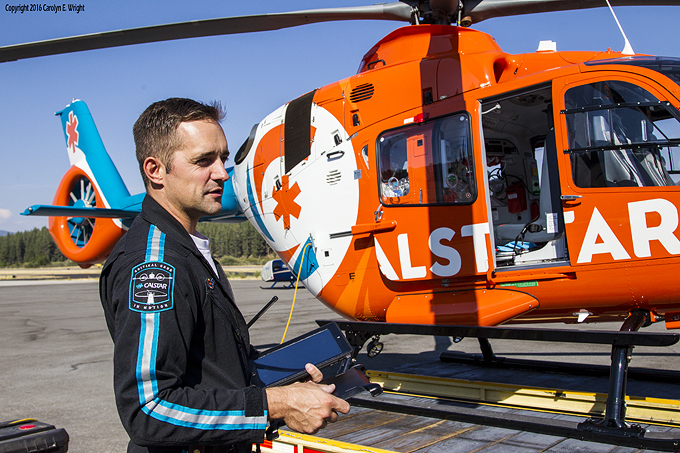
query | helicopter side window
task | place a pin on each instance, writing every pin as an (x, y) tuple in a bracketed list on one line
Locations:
[(394, 181), (620, 135), (670, 155), (455, 160), (427, 163)]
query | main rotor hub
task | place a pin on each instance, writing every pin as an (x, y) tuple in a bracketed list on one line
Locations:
[(437, 12)]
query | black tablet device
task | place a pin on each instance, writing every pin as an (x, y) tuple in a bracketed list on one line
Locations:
[(325, 347)]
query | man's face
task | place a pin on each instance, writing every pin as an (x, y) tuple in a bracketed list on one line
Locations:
[(193, 186)]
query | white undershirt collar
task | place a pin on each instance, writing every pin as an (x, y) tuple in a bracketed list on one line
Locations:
[(203, 245)]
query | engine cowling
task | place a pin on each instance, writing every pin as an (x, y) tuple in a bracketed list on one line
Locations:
[(84, 240)]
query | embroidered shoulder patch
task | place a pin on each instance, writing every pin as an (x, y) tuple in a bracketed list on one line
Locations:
[(151, 287)]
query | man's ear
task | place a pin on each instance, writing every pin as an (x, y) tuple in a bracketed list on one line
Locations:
[(154, 170)]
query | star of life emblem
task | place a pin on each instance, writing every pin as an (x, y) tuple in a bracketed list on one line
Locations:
[(72, 132), (151, 287)]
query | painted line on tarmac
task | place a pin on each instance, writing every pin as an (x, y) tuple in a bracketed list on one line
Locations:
[(46, 282)]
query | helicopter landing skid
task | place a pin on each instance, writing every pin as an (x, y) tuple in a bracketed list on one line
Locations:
[(612, 429), (290, 285)]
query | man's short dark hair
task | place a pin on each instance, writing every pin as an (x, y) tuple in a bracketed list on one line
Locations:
[(155, 131)]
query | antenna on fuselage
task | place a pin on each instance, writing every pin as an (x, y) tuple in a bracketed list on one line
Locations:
[(627, 48)]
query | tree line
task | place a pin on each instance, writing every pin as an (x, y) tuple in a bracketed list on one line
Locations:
[(230, 243), (33, 248)]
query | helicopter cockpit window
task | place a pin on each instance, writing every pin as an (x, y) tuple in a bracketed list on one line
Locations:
[(620, 135), (427, 163)]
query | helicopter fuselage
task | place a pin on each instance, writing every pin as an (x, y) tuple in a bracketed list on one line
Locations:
[(449, 182)]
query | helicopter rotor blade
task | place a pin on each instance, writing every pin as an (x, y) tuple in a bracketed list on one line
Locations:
[(446, 11), (479, 10), (397, 11)]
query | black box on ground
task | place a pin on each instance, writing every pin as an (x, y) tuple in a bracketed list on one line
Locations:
[(31, 436)]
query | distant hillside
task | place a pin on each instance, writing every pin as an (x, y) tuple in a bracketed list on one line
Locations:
[(4, 233)]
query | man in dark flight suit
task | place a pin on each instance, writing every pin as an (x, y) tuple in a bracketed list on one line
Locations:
[(181, 375)]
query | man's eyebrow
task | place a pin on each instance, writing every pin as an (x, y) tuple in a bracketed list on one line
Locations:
[(204, 155)]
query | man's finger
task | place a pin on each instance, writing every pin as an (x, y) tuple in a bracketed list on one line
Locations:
[(329, 388), (341, 406), (315, 374)]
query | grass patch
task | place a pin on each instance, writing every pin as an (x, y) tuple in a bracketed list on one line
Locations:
[(242, 275), (245, 260)]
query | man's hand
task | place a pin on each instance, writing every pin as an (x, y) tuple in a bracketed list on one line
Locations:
[(306, 407)]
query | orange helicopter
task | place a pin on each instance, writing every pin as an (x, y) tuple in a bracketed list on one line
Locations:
[(447, 182), (446, 187)]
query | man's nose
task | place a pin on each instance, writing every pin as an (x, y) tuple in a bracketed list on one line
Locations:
[(219, 172)]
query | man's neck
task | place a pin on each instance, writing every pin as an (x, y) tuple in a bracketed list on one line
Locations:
[(186, 222)]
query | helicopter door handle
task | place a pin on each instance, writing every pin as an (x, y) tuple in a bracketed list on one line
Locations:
[(335, 155), (372, 228), (373, 63), (570, 197)]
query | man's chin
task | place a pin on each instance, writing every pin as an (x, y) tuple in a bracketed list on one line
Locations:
[(216, 207)]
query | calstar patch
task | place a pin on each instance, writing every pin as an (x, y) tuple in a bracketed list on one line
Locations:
[(151, 287)]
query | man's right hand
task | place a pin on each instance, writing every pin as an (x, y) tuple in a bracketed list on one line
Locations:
[(305, 407)]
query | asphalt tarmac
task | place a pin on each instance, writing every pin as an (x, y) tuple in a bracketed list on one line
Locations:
[(56, 352)]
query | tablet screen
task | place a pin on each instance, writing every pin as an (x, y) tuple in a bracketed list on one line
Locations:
[(282, 363)]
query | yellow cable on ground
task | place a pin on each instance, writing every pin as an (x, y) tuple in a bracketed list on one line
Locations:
[(295, 294)]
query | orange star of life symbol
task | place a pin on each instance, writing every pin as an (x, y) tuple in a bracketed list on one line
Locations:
[(71, 132), (285, 202)]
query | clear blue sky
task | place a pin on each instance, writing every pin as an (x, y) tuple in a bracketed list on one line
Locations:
[(251, 74)]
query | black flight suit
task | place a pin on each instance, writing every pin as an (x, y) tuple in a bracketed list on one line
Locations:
[(181, 375)]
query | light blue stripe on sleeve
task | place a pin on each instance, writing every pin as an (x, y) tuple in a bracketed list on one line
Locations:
[(147, 385)]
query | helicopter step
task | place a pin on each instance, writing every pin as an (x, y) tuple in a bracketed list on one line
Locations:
[(613, 425)]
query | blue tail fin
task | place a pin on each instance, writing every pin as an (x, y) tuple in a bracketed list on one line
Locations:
[(86, 151)]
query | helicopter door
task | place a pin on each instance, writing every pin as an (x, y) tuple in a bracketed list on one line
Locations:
[(523, 179), (619, 139), (428, 192)]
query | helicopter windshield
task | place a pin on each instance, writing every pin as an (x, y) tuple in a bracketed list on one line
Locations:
[(668, 66), (620, 135)]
